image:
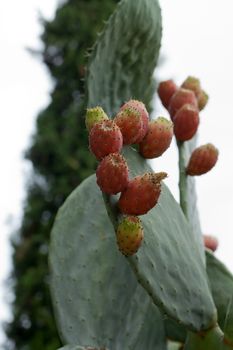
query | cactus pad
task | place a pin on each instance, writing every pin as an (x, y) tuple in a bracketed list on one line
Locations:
[(95, 293), (122, 63), (97, 299), (221, 282)]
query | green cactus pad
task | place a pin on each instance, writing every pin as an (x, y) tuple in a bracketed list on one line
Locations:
[(97, 299), (187, 186), (122, 63), (221, 282), (89, 274), (174, 331)]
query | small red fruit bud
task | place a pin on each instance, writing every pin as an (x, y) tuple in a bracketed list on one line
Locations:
[(166, 89), (157, 139), (112, 174), (180, 98), (131, 124), (192, 84), (142, 194), (186, 122), (141, 108), (202, 160), (210, 242), (105, 138)]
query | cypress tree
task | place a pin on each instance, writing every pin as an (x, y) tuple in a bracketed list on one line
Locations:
[(61, 160)]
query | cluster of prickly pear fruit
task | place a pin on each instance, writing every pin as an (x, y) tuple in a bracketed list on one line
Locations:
[(130, 126), (184, 104)]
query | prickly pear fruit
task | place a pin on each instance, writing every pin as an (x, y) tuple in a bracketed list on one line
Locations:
[(193, 84), (157, 139), (210, 242), (105, 138), (202, 100), (131, 124), (138, 105), (129, 235), (142, 194), (186, 121), (112, 174), (179, 99), (166, 90), (202, 160), (93, 116)]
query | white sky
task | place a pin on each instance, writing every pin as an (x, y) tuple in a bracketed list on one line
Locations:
[(24, 87), (197, 41)]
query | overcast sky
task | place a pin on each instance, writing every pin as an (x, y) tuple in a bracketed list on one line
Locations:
[(197, 40), (24, 87)]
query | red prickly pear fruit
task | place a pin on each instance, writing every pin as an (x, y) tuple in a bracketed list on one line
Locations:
[(180, 98), (210, 242), (138, 105), (157, 139), (112, 174), (105, 138), (93, 116), (202, 100), (131, 125), (129, 235), (166, 90), (142, 194), (202, 160), (186, 122), (193, 84)]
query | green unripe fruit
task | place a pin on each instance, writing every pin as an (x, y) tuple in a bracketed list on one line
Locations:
[(202, 100), (193, 84), (129, 235), (93, 116)]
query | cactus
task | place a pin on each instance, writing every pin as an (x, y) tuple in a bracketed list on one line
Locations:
[(221, 283), (103, 300)]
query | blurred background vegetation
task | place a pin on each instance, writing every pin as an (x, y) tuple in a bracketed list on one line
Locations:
[(60, 160)]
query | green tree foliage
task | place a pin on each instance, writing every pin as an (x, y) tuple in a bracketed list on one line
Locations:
[(60, 160)]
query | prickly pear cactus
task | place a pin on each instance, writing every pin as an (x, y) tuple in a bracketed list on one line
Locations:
[(111, 293), (103, 300)]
